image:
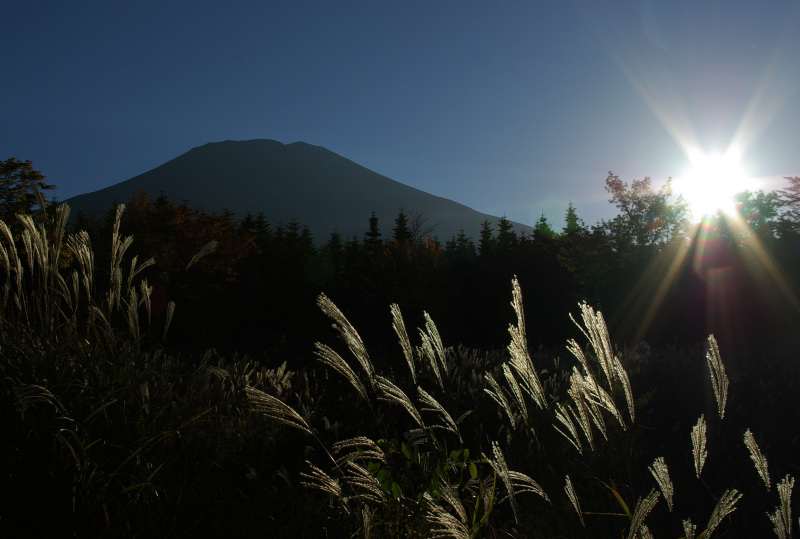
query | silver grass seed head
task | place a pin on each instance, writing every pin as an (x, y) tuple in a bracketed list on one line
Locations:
[(643, 508), (689, 529), (759, 461), (699, 445), (725, 506), (573, 498), (660, 472), (399, 327), (782, 517), (719, 379)]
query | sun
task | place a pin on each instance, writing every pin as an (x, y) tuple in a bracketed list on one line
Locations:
[(711, 181)]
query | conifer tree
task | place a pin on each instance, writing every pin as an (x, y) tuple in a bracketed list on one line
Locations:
[(372, 238), (486, 241), (574, 224), (402, 233), (543, 230)]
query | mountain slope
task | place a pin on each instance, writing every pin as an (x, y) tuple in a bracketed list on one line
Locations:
[(318, 188)]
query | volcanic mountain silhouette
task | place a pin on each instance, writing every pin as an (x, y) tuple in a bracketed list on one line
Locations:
[(315, 186)]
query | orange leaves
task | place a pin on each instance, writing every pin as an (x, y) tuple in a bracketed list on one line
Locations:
[(173, 233)]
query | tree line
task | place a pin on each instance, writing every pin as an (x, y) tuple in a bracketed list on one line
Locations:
[(657, 276)]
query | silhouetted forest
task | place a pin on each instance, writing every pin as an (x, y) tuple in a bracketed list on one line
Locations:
[(657, 277)]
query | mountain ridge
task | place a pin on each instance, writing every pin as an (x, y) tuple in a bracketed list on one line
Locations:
[(311, 184)]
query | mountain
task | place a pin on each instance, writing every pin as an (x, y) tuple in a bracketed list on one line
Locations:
[(317, 187)]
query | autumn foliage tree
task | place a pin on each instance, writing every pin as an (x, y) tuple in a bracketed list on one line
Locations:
[(648, 218), (174, 233)]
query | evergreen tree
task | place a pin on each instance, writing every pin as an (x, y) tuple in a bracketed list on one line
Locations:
[(83, 222), (506, 238), (401, 230), (372, 239), (334, 249), (460, 248), (263, 232), (248, 223), (307, 242), (543, 230), (486, 241), (574, 224)]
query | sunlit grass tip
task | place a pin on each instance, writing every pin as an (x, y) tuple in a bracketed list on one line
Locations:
[(661, 474), (719, 379), (725, 506), (399, 327), (348, 334), (573, 498), (782, 517), (518, 351), (643, 508), (276, 409), (699, 445), (757, 457)]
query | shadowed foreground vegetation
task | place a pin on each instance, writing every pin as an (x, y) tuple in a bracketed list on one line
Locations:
[(111, 431)]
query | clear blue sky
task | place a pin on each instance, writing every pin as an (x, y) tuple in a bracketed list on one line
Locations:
[(509, 107)]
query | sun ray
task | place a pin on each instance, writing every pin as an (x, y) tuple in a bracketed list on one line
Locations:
[(712, 181)]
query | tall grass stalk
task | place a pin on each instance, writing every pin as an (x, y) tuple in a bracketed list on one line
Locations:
[(699, 445), (725, 506), (661, 474), (719, 378), (126, 423), (598, 390), (573, 498), (758, 459), (103, 421), (782, 517)]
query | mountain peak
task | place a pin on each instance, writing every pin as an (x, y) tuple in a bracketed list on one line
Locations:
[(315, 186)]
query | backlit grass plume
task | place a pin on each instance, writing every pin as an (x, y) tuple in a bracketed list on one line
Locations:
[(499, 396), (782, 517), (719, 379), (422, 476), (276, 409), (432, 405), (725, 506), (361, 448), (661, 473), (433, 350), (518, 350), (405, 343), (564, 415), (699, 445), (348, 334), (573, 498), (643, 508), (332, 359), (389, 392), (595, 330), (689, 529), (318, 479), (443, 524), (758, 459)]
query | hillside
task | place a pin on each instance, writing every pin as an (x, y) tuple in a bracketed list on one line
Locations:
[(311, 184)]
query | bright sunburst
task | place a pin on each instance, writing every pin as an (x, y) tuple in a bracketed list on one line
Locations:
[(711, 182)]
